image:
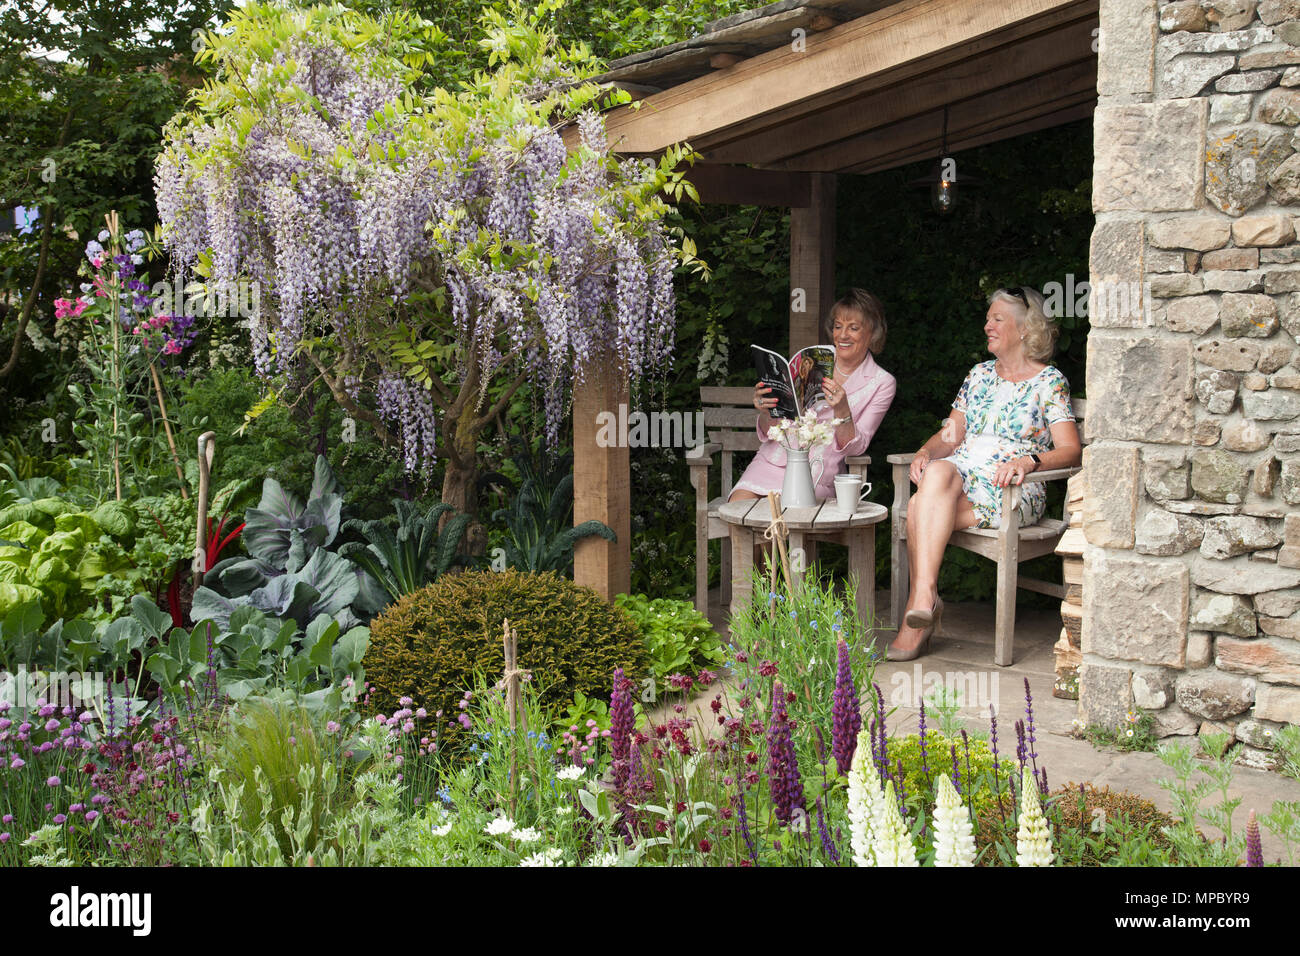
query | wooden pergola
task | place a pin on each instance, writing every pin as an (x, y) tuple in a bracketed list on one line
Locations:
[(780, 101)]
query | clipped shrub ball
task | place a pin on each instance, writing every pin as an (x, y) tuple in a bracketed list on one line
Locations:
[(429, 643)]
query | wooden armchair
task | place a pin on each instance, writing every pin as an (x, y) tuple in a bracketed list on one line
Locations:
[(1008, 545), (729, 418)]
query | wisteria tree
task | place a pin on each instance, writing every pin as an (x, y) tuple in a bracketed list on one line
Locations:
[(415, 250)]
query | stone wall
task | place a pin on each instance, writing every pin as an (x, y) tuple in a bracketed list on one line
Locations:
[(1192, 502)]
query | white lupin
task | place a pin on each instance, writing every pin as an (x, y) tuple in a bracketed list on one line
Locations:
[(1033, 839), (864, 781), (893, 841), (954, 840)]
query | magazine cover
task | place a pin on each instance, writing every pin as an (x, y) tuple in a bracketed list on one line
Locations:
[(797, 383)]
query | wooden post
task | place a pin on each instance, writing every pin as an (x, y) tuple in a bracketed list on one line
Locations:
[(812, 262), (602, 483)]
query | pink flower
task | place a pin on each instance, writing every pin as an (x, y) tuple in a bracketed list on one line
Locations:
[(53, 782), (18, 764), (4, 837)]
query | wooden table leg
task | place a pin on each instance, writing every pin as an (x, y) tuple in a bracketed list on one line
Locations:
[(862, 562), (798, 560), (742, 567)]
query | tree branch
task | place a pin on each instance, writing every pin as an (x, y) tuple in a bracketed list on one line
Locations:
[(352, 408), (501, 403), (47, 234)]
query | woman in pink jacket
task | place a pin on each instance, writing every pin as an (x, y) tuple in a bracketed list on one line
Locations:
[(859, 392)]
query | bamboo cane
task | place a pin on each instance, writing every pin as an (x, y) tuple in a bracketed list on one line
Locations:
[(167, 427)]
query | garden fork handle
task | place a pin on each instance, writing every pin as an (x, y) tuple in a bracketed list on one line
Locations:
[(207, 449)]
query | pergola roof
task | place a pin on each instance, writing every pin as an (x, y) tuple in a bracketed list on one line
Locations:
[(868, 88), (777, 113)]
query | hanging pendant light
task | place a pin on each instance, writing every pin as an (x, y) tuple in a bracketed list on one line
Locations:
[(942, 181)]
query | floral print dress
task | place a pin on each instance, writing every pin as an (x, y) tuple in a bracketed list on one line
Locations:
[(1006, 420)]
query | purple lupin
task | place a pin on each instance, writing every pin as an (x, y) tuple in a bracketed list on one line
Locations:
[(846, 712), (1254, 847), (782, 765)]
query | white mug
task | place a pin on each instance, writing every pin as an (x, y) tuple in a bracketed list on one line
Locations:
[(847, 496)]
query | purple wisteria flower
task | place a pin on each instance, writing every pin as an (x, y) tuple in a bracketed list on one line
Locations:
[(846, 713)]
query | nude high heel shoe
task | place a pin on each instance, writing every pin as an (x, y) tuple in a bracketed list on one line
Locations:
[(931, 625)]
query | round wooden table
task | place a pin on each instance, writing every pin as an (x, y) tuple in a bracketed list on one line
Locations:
[(822, 522)]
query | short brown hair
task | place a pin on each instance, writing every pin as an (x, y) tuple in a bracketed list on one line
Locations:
[(869, 307)]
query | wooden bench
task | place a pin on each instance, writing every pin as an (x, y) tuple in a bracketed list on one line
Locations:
[(731, 422), (1007, 546)]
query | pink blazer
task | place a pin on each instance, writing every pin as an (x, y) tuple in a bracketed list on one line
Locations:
[(871, 390)]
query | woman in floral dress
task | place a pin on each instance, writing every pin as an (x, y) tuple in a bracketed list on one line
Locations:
[(1011, 417)]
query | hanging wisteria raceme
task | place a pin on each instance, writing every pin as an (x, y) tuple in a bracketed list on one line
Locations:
[(313, 167), (410, 408)]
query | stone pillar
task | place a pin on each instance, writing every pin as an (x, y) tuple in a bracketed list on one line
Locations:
[(1192, 496)]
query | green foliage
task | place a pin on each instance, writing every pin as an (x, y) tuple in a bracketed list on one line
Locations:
[(1102, 827), (1188, 795), (256, 654), (274, 760), (678, 638), (81, 128), (74, 562), (920, 776), (1136, 734), (539, 530), (582, 709), (284, 441), (413, 557), (1287, 744), (799, 633), (289, 573), (1283, 821), (429, 644)]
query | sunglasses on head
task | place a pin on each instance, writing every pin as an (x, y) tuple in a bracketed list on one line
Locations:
[(1019, 293)]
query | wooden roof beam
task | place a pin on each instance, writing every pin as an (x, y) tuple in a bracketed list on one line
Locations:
[(951, 85), (986, 112), (746, 186), (907, 32)]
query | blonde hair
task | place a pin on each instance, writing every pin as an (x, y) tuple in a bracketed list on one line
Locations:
[(1038, 329)]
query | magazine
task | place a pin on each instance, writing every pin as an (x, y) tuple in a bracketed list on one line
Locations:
[(797, 383)]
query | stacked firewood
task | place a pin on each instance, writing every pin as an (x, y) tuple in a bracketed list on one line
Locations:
[(1068, 648)]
